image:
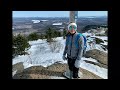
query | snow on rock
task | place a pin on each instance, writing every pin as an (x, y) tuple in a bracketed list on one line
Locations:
[(89, 59), (102, 72), (14, 72), (56, 77)]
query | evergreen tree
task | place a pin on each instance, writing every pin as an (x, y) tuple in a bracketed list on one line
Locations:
[(49, 34), (55, 33), (59, 34), (33, 36), (42, 36), (20, 43)]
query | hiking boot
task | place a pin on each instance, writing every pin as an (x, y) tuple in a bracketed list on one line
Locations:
[(77, 78)]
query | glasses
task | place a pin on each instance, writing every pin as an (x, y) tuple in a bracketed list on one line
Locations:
[(72, 27)]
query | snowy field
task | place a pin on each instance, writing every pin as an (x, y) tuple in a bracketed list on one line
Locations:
[(40, 53)]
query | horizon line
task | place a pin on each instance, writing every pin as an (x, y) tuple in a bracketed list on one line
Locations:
[(62, 16)]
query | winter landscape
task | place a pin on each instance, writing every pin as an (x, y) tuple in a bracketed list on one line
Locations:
[(41, 54), (44, 58)]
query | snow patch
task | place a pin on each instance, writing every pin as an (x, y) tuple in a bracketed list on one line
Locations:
[(102, 72), (56, 77), (14, 72)]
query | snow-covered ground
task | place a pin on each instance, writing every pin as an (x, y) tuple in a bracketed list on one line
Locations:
[(57, 24), (35, 21), (96, 46), (40, 54)]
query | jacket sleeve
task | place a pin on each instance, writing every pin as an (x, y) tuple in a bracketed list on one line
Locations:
[(80, 50), (65, 49)]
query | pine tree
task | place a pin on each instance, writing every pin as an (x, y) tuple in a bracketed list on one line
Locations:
[(55, 33), (42, 36), (20, 44), (49, 34), (59, 34), (33, 36)]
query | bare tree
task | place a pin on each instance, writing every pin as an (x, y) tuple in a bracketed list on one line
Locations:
[(55, 46)]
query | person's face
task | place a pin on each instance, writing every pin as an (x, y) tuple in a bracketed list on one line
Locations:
[(72, 29)]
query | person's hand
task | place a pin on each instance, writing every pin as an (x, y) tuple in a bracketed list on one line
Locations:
[(77, 63), (64, 58)]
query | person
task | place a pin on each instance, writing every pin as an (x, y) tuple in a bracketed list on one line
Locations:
[(71, 52)]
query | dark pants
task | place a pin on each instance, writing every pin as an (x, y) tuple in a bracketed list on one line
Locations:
[(72, 67)]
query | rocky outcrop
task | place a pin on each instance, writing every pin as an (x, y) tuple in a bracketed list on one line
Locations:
[(55, 70), (105, 47), (100, 56), (18, 67)]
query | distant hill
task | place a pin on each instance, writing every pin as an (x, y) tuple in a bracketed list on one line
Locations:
[(84, 23), (88, 27)]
